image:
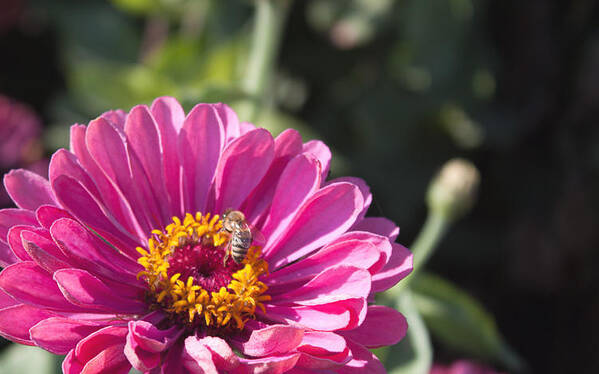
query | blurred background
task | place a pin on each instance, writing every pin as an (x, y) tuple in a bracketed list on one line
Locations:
[(396, 88)]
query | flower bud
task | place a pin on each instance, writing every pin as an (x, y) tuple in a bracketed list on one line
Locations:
[(453, 191)]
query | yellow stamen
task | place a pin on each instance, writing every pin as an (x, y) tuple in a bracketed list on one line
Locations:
[(231, 305)]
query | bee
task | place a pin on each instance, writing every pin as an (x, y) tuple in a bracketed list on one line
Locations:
[(241, 235)]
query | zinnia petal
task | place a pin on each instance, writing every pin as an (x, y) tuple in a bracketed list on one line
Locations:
[(145, 343), (28, 283), (169, 118), (301, 175), (28, 190), (319, 150), (15, 322), (382, 326), (271, 340), (243, 164), (322, 218), (100, 352), (59, 335), (200, 144), (363, 361), (83, 289), (12, 217)]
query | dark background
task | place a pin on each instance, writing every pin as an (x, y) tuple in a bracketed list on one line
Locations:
[(511, 85)]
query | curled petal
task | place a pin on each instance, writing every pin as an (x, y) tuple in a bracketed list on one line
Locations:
[(363, 361), (208, 355), (145, 343), (398, 267), (100, 352), (323, 350), (197, 358), (270, 365), (382, 326), (272, 340)]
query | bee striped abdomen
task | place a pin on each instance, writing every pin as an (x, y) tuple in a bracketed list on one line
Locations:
[(240, 243), (240, 234)]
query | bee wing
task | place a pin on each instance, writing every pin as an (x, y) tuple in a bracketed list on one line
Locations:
[(257, 236)]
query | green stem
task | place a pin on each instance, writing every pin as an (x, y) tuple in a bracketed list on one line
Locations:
[(430, 235), (268, 31), (434, 229), (413, 355)]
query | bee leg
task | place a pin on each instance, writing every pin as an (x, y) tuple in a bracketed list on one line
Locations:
[(227, 252)]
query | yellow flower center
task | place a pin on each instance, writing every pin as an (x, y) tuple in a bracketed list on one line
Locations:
[(182, 264)]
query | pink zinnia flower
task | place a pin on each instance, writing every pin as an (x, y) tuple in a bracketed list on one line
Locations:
[(20, 145), (20, 129), (462, 367), (119, 259)]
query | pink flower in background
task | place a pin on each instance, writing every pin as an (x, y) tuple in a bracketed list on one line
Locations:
[(462, 367), (118, 260), (20, 130), (20, 144)]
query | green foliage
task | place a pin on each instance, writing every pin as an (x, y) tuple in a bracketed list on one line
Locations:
[(22, 359), (138, 6), (101, 85), (460, 322)]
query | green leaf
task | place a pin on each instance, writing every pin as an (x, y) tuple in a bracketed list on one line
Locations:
[(191, 62), (137, 6), (461, 322), (23, 359), (414, 353), (101, 85)]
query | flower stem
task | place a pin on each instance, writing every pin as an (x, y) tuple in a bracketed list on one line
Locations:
[(434, 229), (414, 353), (269, 22)]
